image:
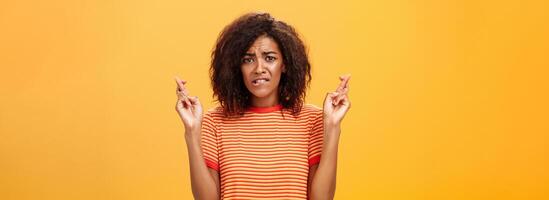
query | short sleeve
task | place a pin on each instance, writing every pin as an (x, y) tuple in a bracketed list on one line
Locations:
[(316, 138), (209, 142)]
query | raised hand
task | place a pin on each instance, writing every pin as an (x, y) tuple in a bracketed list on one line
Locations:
[(188, 108), (336, 104)]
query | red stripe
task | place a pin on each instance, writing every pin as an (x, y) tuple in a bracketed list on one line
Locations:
[(315, 160), (212, 164)]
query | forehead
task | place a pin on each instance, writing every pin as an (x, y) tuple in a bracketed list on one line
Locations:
[(263, 44)]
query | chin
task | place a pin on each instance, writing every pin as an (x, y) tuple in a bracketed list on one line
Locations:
[(262, 93)]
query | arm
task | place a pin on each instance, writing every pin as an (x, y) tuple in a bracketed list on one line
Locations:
[(322, 177), (204, 181)]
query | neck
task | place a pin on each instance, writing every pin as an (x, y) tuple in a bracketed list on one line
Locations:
[(265, 102)]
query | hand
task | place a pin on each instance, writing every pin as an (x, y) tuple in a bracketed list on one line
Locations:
[(336, 104), (188, 108)]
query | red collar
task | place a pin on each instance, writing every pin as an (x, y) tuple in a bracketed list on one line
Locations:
[(264, 109)]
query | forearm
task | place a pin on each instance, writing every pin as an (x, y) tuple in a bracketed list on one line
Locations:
[(324, 182), (202, 182)]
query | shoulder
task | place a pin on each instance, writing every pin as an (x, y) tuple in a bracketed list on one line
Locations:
[(215, 113), (311, 109), (215, 110), (314, 116)]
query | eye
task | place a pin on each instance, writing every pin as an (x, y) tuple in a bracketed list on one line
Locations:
[(247, 60), (270, 58)]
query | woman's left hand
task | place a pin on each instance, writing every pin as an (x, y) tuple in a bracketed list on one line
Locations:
[(336, 104)]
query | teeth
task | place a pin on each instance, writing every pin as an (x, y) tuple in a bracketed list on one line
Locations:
[(258, 81)]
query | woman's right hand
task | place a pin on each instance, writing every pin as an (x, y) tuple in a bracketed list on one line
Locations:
[(188, 108)]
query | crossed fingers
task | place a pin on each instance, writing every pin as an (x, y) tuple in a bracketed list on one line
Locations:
[(182, 92), (342, 89)]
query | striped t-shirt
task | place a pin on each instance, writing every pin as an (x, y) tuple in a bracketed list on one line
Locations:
[(263, 154)]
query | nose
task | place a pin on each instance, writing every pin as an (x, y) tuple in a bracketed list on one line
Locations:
[(260, 67)]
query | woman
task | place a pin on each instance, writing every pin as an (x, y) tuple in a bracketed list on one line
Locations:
[(262, 141)]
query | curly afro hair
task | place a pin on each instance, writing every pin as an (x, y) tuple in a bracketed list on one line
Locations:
[(233, 42)]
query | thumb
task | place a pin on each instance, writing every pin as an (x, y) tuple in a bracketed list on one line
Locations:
[(195, 102), (330, 96)]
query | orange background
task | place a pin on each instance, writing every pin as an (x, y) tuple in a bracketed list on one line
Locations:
[(449, 98)]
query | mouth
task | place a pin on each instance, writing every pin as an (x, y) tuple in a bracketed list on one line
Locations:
[(260, 81)]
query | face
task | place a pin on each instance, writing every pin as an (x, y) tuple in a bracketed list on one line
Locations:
[(261, 68)]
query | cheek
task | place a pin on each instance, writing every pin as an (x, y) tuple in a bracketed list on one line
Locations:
[(277, 70)]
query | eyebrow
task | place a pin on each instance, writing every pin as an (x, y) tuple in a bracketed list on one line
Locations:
[(264, 53)]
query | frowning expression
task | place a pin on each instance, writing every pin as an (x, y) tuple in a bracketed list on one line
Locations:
[(261, 67)]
